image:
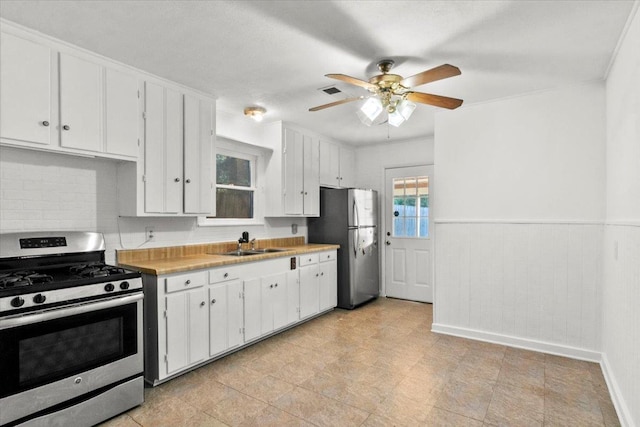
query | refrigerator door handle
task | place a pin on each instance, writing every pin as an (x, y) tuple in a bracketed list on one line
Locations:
[(356, 214), (356, 241)]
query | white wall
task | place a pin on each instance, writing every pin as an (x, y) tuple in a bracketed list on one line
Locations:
[(45, 191), (372, 160), (520, 206), (621, 285)]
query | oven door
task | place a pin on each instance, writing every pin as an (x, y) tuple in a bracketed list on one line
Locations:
[(57, 355)]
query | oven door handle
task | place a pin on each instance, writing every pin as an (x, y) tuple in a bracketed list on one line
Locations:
[(58, 312)]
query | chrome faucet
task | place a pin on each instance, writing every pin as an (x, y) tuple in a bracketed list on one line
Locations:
[(253, 244)]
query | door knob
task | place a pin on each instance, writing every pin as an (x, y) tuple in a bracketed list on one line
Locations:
[(388, 243)]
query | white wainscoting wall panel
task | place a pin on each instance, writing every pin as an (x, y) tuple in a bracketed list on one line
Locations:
[(621, 321), (532, 285)]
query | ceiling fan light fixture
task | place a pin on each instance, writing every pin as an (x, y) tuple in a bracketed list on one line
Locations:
[(395, 118), (405, 108), (370, 111), (256, 113)]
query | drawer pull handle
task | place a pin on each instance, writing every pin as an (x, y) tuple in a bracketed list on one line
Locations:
[(188, 282), (202, 304), (213, 301), (276, 285), (226, 275), (45, 123)]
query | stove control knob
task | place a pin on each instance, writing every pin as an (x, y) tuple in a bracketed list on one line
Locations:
[(109, 287), (39, 299), (124, 285), (17, 302)]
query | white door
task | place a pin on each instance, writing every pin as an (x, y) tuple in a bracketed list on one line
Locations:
[(408, 233)]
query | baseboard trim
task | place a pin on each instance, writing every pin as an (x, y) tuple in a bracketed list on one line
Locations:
[(624, 415), (524, 343)]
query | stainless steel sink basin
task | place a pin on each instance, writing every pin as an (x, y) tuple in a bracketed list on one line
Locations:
[(267, 250), (242, 253)]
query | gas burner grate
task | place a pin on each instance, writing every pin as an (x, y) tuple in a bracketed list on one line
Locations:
[(96, 270), (23, 278)]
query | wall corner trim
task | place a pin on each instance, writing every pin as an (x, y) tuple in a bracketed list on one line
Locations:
[(624, 415)]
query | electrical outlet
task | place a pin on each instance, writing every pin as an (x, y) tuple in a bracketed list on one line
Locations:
[(149, 233)]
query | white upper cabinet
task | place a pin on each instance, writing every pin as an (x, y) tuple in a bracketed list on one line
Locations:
[(178, 156), (25, 91), (293, 176), (61, 99), (198, 149), (80, 104), (336, 165), (121, 113), (163, 187)]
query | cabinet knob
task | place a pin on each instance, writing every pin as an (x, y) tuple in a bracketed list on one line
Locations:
[(316, 274), (302, 192), (322, 274), (202, 304), (226, 275), (271, 286), (66, 127), (305, 193), (177, 180), (45, 123), (188, 282), (337, 177), (276, 285), (187, 180), (213, 301)]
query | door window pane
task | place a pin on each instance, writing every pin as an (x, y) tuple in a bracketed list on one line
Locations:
[(411, 207)]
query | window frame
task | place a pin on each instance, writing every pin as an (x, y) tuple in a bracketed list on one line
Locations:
[(255, 156)]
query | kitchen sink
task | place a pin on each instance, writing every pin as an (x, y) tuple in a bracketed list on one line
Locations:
[(267, 250), (242, 253)]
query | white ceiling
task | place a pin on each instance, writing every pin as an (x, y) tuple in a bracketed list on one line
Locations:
[(275, 53)]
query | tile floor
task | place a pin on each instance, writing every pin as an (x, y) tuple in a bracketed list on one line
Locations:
[(379, 365)]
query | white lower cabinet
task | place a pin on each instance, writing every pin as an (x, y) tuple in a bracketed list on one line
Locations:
[(309, 285), (225, 316), (328, 280), (197, 316), (186, 325)]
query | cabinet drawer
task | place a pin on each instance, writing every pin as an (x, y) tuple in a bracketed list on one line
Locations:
[(327, 256), (307, 259), (223, 274), (186, 281)]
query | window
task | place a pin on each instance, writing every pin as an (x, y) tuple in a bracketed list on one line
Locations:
[(235, 185), (411, 207)]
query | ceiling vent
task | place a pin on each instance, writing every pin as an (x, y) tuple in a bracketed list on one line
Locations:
[(330, 90)]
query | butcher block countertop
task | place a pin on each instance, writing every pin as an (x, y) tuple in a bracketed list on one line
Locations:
[(177, 259)]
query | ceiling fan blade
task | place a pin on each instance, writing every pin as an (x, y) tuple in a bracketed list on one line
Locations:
[(333, 104), (438, 73), (352, 80), (437, 100)]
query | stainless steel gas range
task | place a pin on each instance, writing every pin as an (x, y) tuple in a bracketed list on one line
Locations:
[(70, 331)]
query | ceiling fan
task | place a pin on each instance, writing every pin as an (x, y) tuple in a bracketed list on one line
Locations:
[(393, 93)]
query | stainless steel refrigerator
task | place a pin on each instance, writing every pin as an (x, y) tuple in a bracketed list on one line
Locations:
[(349, 218)]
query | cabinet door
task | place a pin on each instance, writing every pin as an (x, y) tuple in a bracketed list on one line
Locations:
[(329, 164), (80, 104), (328, 285), (25, 90), (218, 315), (198, 132), (309, 296), (266, 306), (198, 325), (162, 150), (347, 167), (293, 296), (252, 309), (235, 313), (279, 300), (311, 162), (121, 113), (177, 327), (292, 163)]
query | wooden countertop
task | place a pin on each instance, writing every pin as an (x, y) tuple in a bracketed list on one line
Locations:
[(200, 261)]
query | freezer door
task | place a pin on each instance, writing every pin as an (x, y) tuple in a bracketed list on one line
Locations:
[(363, 208), (363, 262)]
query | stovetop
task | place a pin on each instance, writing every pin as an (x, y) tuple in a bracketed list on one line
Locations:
[(20, 281)]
